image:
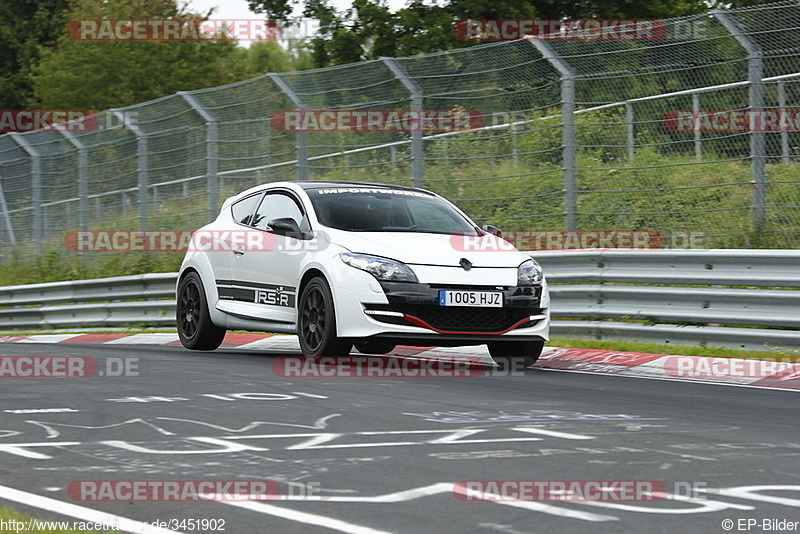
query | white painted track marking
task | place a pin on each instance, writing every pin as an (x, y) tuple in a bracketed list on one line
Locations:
[(80, 512), (307, 518), (404, 496), (154, 338)]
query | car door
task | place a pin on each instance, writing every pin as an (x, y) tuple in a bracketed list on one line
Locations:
[(218, 242), (265, 267)]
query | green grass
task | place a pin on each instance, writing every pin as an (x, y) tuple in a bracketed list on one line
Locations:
[(56, 265), (8, 514), (710, 200)]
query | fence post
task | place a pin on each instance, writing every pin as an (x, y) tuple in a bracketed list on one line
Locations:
[(83, 179), (568, 143), (514, 142), (755, 75), (630, 130), (698, 134), (784, 132), (141, 166), (212, 159), (417, 149), (7, 216), (36, 187), (301, 136)]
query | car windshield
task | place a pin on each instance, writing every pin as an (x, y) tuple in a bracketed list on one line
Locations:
[(387, 210)]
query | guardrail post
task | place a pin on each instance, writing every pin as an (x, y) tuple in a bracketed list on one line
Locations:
[(301, 136), (417, 148), (36, 187), (141, 166), (568, 142), (698, 134), (212, 159), (784, 132), (755, 75)]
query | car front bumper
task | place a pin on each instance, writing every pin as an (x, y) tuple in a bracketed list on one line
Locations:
[(411, 315)]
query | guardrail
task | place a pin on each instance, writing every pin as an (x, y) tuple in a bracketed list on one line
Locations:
[(145, 299), (730, 298), (677, 296)]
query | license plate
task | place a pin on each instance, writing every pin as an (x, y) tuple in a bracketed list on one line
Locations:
[(477, 299)]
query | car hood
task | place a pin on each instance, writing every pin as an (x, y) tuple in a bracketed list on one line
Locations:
[(415, 248)]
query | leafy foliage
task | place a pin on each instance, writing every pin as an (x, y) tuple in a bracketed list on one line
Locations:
[(104, 74), (43, 67), (26, 28), (369, 30)]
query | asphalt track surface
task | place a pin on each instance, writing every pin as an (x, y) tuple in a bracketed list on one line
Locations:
[(370, 455)]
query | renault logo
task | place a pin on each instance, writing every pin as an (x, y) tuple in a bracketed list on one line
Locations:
[(465, 264)]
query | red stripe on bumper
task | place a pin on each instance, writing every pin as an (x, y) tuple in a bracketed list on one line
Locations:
[(416, 321)]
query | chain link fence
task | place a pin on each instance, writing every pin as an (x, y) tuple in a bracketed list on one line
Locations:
[(577, 134)]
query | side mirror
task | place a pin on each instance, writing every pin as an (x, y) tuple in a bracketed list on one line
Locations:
[(495, 231), (286, 226)]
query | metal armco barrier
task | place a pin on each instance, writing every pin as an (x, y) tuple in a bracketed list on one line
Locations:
[(726, 298), (144, 299), (729, 298)]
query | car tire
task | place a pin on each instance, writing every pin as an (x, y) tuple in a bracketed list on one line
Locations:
[(374, 346), (195, 328), (506, 353), (317, 322)]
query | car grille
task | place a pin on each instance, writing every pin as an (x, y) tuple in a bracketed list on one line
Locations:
[(458, 319)]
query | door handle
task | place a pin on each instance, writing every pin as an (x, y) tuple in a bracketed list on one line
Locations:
[(239, 251)]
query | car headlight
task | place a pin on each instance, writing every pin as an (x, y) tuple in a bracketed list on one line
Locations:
[(380, 268), (529, 273)]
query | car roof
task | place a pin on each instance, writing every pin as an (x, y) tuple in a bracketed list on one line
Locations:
[(320, 184), (311, 184)]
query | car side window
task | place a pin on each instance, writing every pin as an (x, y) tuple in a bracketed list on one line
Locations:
[(277, 206), (242, 211)]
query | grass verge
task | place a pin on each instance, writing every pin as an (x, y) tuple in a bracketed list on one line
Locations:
[(683, 350), (13, 522)]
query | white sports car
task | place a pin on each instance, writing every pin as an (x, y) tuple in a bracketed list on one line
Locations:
[(343, 263)]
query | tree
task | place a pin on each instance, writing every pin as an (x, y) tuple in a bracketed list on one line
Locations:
[(25, 27), (95, 75), (268, 56), (369, 29)]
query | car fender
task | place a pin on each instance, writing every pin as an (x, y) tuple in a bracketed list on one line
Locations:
[(198, 261), (350, 288)]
